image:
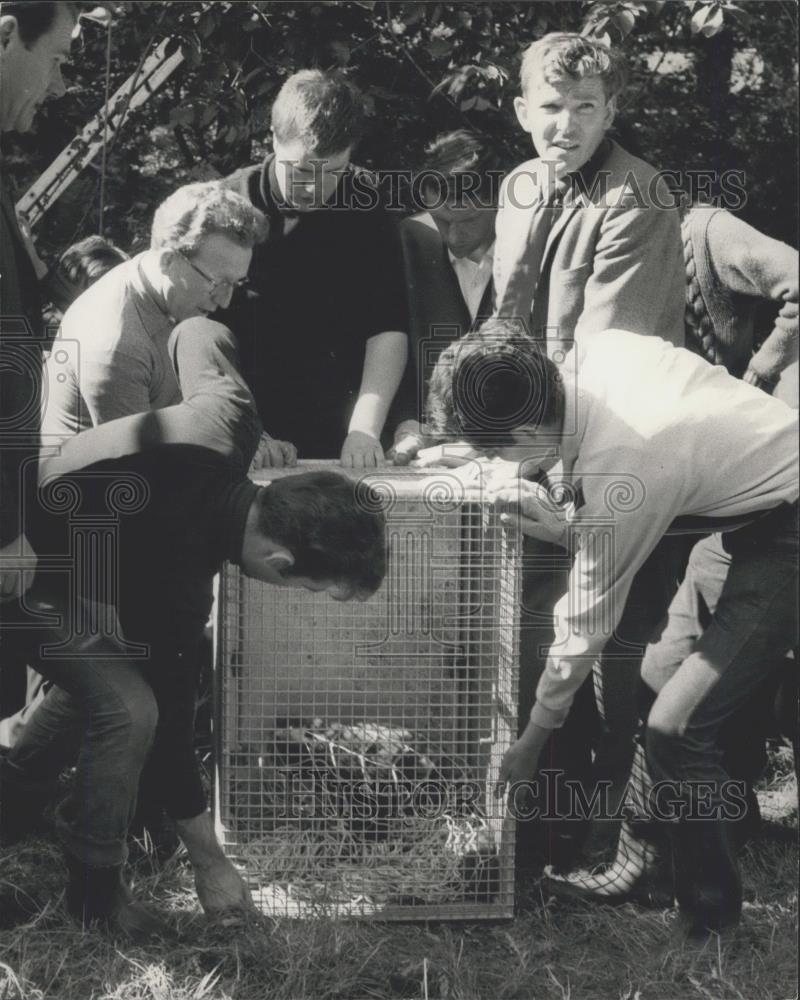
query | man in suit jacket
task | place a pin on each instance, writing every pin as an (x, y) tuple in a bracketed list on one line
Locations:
[(33, 45), (588, 237), (448, 253), (34, 42)]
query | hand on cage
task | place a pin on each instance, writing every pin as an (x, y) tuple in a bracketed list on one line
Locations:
[(361, 451), (273, 454), (409, 438), (530, 507), (451, 455)]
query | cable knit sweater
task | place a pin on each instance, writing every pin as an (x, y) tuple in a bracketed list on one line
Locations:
[(729, 266)]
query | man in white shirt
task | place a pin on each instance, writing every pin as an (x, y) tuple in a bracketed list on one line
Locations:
[(647, 433)]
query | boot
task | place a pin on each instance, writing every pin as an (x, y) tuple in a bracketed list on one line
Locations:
[(708, 886), (100, 896)]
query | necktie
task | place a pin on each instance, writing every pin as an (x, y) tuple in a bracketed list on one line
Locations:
[(521, 288)]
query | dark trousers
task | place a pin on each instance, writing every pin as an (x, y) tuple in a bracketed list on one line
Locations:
[(735, 611), (102, 708), (589, 747), (112, 711)]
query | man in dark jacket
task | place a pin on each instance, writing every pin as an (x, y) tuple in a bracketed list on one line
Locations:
[(448, 251), (34, 42)]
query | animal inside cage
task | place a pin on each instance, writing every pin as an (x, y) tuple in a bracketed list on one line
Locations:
[(359, 744)]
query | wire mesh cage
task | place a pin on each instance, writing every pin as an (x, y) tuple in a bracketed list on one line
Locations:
[(358, 744)]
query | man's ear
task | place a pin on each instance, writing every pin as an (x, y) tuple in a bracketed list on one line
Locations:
[(526, 434), (521, 111), (280, 560), (611, 110), (8, 28), (168, 259)]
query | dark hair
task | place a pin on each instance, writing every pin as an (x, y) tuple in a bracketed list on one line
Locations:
[(80, 266), (35, 17), (461, 165), (334, 527), (325, 110), (567, 54), (494, 379)]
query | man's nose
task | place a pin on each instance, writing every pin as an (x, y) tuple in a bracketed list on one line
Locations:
[(57, 86), (565, 121), (222, 296)]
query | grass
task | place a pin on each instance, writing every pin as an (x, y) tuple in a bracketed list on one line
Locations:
[(564, 950)]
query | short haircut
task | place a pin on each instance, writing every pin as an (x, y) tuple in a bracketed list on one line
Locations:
[(334, 527), (568, 55), (80, 266), (36, 17), (201, 209), (453, 158), (324, 110), (494, 379)]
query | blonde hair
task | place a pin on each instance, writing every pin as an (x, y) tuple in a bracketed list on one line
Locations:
[(568, 55), (197, 210)]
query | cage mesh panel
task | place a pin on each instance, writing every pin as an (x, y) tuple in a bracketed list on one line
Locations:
[(360, 743)]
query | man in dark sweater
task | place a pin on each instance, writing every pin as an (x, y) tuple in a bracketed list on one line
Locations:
[(165, 515), (321, 327)]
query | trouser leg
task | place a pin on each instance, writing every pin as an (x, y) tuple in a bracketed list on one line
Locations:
[(112, 703), (567, 753), (646, 608), (172, 776), (755, 613)]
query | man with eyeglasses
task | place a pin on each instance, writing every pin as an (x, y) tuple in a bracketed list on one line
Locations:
[(110, 359)]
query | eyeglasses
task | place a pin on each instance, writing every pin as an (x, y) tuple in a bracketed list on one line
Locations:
[(214, 284)]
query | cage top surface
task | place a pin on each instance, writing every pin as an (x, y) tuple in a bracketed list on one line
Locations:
[(467, 482)]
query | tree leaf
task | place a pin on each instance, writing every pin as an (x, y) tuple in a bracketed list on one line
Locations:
[(340, 51), (625, 21), (715, 22), (439, 47), (183, 115)]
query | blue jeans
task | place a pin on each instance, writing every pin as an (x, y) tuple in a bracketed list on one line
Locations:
[(735, 611)]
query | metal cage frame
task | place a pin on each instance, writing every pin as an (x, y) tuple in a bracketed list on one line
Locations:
[(430, 665)]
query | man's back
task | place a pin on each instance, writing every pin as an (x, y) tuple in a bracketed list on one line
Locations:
[(702, 442), (111, 358), (175, 512)]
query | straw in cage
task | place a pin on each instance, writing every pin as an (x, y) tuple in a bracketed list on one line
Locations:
[(334, 813)]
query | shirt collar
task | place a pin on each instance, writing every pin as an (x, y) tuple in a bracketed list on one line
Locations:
[(142, 283), (486, 258), (237, 505), (275, 194)]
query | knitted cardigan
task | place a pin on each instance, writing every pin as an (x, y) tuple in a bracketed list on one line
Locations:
[(729, 266)]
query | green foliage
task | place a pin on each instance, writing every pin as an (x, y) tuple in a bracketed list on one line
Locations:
[(425, 67)]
